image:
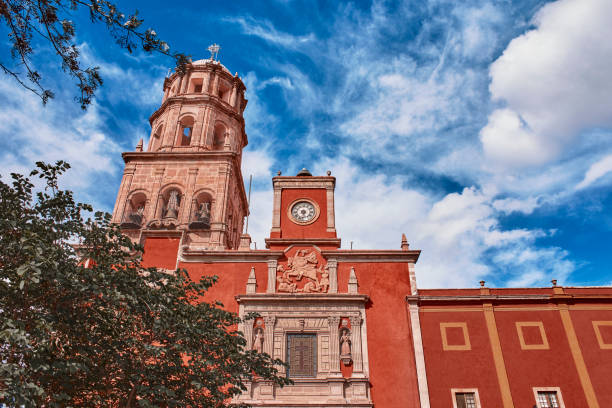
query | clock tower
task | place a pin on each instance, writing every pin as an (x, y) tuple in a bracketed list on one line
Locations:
[(303, 211)]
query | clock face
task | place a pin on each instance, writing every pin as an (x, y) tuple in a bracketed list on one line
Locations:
[(303, 211)]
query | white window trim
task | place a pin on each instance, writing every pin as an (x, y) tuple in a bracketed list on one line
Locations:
[(556, 389), (455, 391)]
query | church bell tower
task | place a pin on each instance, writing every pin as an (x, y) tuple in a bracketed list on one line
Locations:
[(188, 183)]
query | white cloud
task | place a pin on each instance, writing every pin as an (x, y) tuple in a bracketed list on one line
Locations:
[(40, 135), (596, 171), (458, 233), (555, 82), (266, 31)]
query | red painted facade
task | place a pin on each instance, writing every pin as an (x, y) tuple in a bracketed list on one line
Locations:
[(408, 347)]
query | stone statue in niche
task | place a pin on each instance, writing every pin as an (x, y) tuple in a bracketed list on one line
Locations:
[(303, 265), (204, 212), (173, 205), (345, 346), (258, 339)]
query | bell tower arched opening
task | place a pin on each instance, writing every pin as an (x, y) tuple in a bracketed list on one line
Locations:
[(186, 131)]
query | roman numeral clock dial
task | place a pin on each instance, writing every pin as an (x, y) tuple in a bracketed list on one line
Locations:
[(303, 212)]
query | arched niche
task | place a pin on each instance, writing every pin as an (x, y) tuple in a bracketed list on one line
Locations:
[(172, 199), (186, 131), (133, 214), (201, 211)]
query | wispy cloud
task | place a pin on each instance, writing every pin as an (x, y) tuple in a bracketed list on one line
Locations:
[(266, 31)]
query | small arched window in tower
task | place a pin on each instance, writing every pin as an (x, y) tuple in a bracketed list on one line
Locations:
[(201, 210), (196, 85), (219, 136), (133, 216), (172, 203), (186, 131)]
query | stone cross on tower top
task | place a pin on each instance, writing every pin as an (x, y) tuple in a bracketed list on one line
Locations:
[(214, 51)]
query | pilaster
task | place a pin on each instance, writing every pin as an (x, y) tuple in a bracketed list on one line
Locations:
[(272, 264)]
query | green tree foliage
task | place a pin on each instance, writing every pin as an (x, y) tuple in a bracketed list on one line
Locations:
[(109, 332), (34, 22)]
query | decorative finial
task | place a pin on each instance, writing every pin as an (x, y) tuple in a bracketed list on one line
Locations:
[(405, 245), (482, 283), (139, 146), (329, 172), (214, 51), (278, 173), (554, 282)]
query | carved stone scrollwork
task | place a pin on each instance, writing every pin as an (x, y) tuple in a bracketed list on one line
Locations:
[(270, 320)]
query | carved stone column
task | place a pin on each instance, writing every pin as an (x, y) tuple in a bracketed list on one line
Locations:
[(333, 275), (334, 346), (215, 87), (271, 276), (206, 82), (126, 183), (232, 100), (185, 210), (331, 222), (276, 210), (248, 333), (155, 211), (357, 346), (268, 346)]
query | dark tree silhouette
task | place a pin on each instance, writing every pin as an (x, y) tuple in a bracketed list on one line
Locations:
[(32, 22)]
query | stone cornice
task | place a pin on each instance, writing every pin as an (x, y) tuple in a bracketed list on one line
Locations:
[(205, 256), (372, 255), (303, 241), (509, 299), (280, 182), (190, 155), (197, 99), (300, 297)]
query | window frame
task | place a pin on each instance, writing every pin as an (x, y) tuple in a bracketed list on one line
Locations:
[(455, 391), (557, 390), (315, 354)]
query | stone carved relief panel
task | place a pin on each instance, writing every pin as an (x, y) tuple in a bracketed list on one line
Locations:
[(304, 272), (328, 320)]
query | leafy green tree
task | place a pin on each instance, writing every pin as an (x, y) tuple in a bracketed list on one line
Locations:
[(83, 324), (31, 23)]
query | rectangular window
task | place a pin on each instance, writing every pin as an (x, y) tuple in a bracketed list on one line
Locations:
[(302, 355), (548, 399), (465, 398)]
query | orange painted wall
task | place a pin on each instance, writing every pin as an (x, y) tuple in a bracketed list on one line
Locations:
[(232, 279), (597, 360), (160, 252), (317, 229), (390, 352), (538, 368), (459, 368)]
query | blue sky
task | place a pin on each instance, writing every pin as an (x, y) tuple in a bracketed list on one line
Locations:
[(481, 129)]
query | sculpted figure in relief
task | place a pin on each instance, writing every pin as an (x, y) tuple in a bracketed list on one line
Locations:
[(303, 265), (258, 340), (345, 346), (284, 283)]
